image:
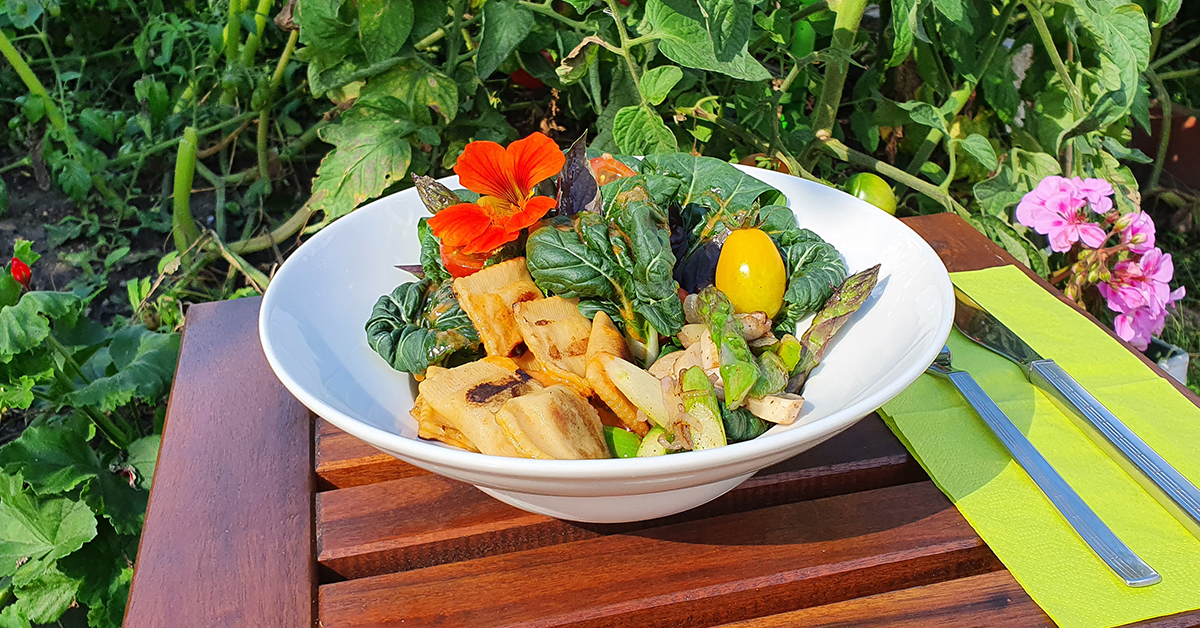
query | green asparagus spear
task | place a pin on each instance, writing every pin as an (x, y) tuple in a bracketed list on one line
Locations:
[(845, 301), (739, 370), (703, 413)]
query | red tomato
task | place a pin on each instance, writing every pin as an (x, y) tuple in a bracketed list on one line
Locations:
[(525, 79), (461, 264), (607, 169)]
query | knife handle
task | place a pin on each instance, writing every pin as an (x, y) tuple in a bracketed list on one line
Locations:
[(1122, 560), (1179, 496)]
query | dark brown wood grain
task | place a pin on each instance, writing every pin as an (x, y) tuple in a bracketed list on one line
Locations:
[(228, 535), (343, 461), (993, 599), (428, 520), (962, 248), (697, 573)]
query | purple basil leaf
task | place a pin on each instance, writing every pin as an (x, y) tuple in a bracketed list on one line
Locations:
[(577, 187)]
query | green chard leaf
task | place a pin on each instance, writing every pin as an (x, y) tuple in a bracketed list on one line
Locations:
[(431, 258), (708, 181), (420, 324), (815, 269)]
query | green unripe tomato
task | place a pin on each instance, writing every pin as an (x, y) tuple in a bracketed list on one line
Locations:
[(804, 39), (872, 189)]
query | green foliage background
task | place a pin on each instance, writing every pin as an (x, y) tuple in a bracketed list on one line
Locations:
[(231, 130)]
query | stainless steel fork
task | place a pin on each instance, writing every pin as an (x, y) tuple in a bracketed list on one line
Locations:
[(1127, 565)]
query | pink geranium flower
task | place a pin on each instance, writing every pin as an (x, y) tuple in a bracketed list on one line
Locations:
[(1138, 327), (1096, 192), (1137, 231), (1060, 218)]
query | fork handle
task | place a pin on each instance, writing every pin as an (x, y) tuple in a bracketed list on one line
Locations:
[(1122, 560), (1179, 496)]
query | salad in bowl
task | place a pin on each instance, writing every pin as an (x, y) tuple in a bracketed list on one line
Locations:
[(595, 306)]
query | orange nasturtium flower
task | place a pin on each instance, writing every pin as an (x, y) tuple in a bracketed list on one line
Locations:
[(505, 180)]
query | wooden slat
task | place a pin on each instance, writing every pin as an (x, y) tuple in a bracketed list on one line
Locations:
[(698, 573), (343, 461), (428, 520), (228, 534), (993, 599), (961, 248)]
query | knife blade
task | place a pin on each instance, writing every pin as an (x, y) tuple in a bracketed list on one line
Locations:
[(1176, 493)]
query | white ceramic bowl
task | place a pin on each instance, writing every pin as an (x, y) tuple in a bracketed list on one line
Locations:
[(312, 329)]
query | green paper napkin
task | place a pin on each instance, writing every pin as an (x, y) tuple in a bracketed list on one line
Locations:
[(1006, 508)]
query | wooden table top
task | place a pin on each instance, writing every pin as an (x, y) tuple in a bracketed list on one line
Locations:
[(262, 515)]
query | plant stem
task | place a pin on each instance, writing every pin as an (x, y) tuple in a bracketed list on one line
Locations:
[(1178, 74), (183, 225), (20, 163), (91, 57), (255, 275), (1175, 54), (1164, 129), (430, 39), (264, 116), (255, 38), (279, 234), (847, 154), (36, 88), (452, 43), (1039, 21), (233, 32), (119, 434), (811, 9), (845, 28), (615, 10), (547, 10), (166, 144)]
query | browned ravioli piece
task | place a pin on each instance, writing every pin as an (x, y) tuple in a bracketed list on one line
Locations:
[(488, 297), (467, 397), (555, 423), (556, 333), (606, 342)]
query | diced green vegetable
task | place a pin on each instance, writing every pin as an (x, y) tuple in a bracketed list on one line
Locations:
[(739, 371), (642, 388), (788, 349), (772, 375), (621, 443), (652, 443), (703, 412)]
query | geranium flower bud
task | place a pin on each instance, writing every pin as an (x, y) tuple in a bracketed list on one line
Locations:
[(1072, 292)]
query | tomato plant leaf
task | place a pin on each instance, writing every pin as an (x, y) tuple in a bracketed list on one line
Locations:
[(925, 114), (419, 88), (639, 130), (24, 326), (383, 27), (708, 181), (1167, 10), (955, 11), (685, 41), (728, 23), (505, 24), (145, 363), (372, 153), (75, 179), (979, 148), (24, 13), (39, 528), (657, 83), (905, 23), (997, 194)]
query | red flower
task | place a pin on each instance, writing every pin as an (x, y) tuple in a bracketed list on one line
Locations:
[(505, 180), (20, 272)]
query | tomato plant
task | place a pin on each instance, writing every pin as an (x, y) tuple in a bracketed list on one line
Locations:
[(872, 189)]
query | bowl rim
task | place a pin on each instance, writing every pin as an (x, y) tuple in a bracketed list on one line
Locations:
[(418, 451)]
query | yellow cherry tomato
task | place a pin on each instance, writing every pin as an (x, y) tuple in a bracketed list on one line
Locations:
[(750, 272)]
